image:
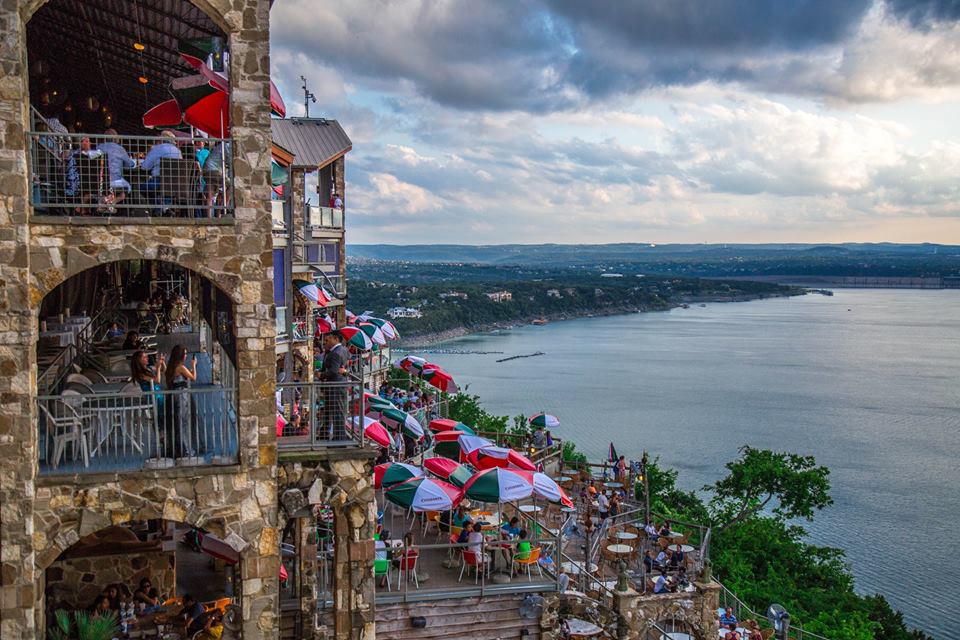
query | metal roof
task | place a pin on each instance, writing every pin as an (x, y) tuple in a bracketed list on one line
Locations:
[(314, 142), (84, 48)]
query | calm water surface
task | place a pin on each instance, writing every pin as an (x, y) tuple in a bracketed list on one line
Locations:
[(865, 380)]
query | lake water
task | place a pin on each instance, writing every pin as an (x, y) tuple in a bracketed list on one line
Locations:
[(866, 381)]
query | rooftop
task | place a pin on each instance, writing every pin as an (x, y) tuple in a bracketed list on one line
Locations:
[(314, 142)]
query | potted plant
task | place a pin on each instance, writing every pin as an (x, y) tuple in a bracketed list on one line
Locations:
[(80, 625)]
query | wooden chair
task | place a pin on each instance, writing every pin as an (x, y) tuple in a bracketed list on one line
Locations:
[(766, 633)]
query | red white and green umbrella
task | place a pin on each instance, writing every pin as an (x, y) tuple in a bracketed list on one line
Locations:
[(325, 324), (545, 487), (497, 485), (444, 424), (399, 419), (377, 402), (351, 316), (386, 326), (354, 337), (503, 457), (312, 292), (449, 470), (411, 364), (469, 444), (440, 379), (425, 494), (390, 473), (544, 420), (375, 431), (373, 332), (446, 444)]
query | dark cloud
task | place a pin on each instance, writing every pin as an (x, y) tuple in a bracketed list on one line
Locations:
[(921, 13)]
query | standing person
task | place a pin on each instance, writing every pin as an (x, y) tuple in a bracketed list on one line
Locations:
[(337, 201), (178, 376), (336, 360), (214, 175), (622, 470), (147, 378), (603, 505)]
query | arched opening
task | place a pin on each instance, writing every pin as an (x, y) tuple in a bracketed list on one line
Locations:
[(136, 370), (130, 109), (151, 577)]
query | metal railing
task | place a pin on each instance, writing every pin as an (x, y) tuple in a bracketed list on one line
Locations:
[(729, 599), (317, 415), (324, 217), (133, 176), (130, 429)]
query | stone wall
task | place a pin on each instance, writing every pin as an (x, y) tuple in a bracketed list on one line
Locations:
[(695, 610), (39, 518), (75, 582)]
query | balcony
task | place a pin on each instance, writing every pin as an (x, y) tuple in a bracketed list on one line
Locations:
[(314, 416), (116, 427), (302, 327), (324, 218), (97, 176)]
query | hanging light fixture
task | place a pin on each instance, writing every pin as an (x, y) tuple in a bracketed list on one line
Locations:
[(139, 46), (142, 80)]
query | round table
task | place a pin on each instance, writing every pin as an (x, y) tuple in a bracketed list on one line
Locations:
[(626, 535), (676, 635), (675, 534), (613, 485), (562, 479), (686, 548), (575, 567), (568, 509), (582, 628), (530, 508), (619, 548)]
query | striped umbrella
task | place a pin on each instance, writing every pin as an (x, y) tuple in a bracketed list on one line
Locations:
[(446, 444), (325, 324), (443, 424), (425, 494), (440, 379), (377, 402), (497, 485), (399, 419), (373, 332), (545, 487), (411, 364), (312, 292), (390, 473), (386, 326), (351, 316), (354, 337), (469, 444), (544, 420), (489, 457), (374, 431), (449, 470)]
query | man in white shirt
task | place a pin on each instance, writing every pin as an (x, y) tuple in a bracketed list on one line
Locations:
[(603, 505), (660, 586)]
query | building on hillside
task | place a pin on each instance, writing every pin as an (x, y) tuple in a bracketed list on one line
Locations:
[(454, 294), (554, 293), (500, 296), (404, 312)]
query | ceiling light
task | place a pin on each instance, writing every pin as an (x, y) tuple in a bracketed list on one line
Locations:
[(139, 46), (143, 80)]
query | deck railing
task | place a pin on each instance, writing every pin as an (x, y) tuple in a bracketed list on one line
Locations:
[(129, 430), (324, 218), (729, 599), (79, 174), (317, 415)]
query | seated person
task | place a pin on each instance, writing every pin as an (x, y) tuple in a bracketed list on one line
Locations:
[(664, 531), (100, 606), (523, 547), (649, 562), (113, 594), (728, 618), (511, 528), (212, 626), (132, 341), (410, 550), (682, 580), (539, 440), (117, 160), (652, 532), (753, 631), (676, 557), (114, 331), (192, 614), (465, 532), (663, 559), (461, 517), (147, 593), (166, 147), (475, 539), (661, 585), (732, 633)]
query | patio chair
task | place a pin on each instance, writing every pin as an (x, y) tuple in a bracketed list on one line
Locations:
[(381, 569), (431, 517), (532, 559), (479, 562), (766, 633), (78, 377), (66, 426), (408, 565), (94, 376)]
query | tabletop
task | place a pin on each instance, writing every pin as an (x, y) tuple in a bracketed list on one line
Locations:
[(574, 567), (686, 548), (626, 535), (613, 485), (530, 508), (559, 479), (568, 509), (582, 628), (619, 548)]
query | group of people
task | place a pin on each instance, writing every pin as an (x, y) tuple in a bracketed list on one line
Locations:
[(116, 597), (730, 629), (210, 164), (408, 400), (607, 506), (540, 439)]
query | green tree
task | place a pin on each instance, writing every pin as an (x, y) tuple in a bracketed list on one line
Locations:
[(793, 485)]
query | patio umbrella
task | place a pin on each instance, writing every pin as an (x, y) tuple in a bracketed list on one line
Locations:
[(354, 337), (503, 457), (449, 470), (497, 485), (469, 444), (375, 431), (377, 402), (386, 326), (440, 379), (373, 332), (312, 292), (443, 424), (544, 420), (325, 324), (351, 316), (399, 419), (411, 364), (545, 487), (425, 494), (390, 473), (446, 444)]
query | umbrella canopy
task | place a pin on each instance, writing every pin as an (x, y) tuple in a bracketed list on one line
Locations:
[(545, 487), (312, 292), (373, 332), (443, 424), (440, 379), (446, 444), (497, 485), (354, 337), (469, 444), (399, 419), (325, 324), (386, 326), (411, 364), (375, 431), (377, 402), (449, 470), (489, 457), (390, 473), (544, 420), (425, 494)]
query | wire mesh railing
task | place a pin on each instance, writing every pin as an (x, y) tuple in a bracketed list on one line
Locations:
[(314, 415), (134, 176)]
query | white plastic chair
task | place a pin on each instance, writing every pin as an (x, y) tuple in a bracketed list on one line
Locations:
[(65, 426)]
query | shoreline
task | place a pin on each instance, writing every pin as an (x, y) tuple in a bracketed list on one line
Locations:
[(423, 340)]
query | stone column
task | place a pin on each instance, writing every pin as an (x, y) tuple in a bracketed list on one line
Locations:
[(309, 573), (709, 603), (625, 606)]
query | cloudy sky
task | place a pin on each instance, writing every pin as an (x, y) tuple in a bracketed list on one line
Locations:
[(646, 120)]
